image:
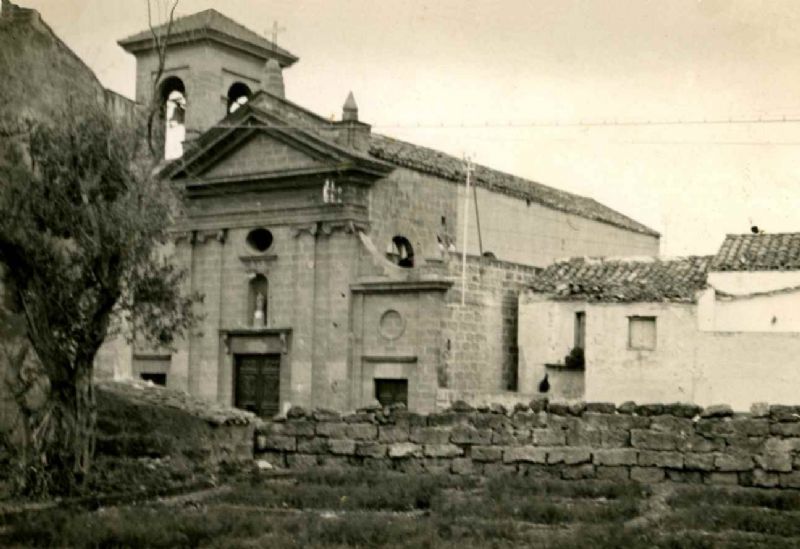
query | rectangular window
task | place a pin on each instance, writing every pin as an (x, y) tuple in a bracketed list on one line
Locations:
[(580, 330), (391, 391), (158, 379), (642, 332)]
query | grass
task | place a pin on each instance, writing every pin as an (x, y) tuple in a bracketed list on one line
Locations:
[(392, 510)]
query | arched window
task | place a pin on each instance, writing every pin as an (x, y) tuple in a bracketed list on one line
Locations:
[(401, 252), (238, 95), (258, 296), (173, 111)]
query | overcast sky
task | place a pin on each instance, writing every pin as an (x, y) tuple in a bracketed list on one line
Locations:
[(456, 65)]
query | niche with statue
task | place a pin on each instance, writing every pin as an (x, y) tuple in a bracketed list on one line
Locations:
[(257, 301)]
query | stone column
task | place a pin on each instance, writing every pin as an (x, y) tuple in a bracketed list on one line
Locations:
[(303, 325)]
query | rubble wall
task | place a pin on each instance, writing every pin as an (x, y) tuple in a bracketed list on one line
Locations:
[(647, 443)]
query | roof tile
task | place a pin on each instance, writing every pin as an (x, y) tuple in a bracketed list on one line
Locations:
[(759, 252)]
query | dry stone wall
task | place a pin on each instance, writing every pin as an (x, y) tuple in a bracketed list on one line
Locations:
[(647, 443)]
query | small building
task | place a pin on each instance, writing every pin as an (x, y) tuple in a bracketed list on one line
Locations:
[(330, 256), (710, 329)]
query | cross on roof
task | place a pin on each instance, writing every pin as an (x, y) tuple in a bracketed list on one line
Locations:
[(275, 30)]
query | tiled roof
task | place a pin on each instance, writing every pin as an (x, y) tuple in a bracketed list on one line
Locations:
[(212, 20), (758, 252), (449, 167), (624, 280)]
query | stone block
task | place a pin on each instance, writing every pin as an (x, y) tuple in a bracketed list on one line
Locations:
[(615, 456), (764, 479), (429, 435), (527, 420), (301, 461), (461, 406), (749, 427), (493, 421), (371, 449), (405, 449), (579, 435), (777, 456), (577, 408), (377, 464), (447, 419), (323, 415), (729, 462), (672, 460), (467, 434), (628, 407), (332, 430), (726, 479), (462, 466), (671, 424), (301, 428), (527, 454), (539, 404), (652, 440), (341, 447), (617, 474), (360, 417), (759, 409), (697, 443), (558, 408), (747, 445), (442, 450), (279, 442), (601, 407), (698, 462), (569, 456), (486, 453), (780, 412), (296, 412), (785, 429), (362, 431), (393, 433), (692, 477), (789, 480), (714, 427), (682, 409), (513, 437), (578, 472), (650, 409), (312, 445), (498, 468), (549, 437), (647, 475), (717, 410)]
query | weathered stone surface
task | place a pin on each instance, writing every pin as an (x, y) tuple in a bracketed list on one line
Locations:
[(697, 443), (513, 437), (649, 458), (698, 462), (528, 454), (558, 408), (569, 456), (429, 435), (601, 407), (446, 419), (302, 461), (647, 475), (780, 412), (764, 479), (789, 480), (717, 410), (711, 427), (777, 456), (619, 474), (499, 468), (694, 477), (278, 442), (539, 404), (549, 437), (362, 431), (332, 430), (497, 408), (360, 417), (616, 456), (578, 472), (577, 408), (296, 412), (521, 407), (651, 440), (487, 453), (462, 466), (682, 409), (527, 420), (671, 424), (301, 428), (628, 407), (759, 409), (785, 429), (727, 479), (371, 449), (461, 406), (733, 462), (467, 434), (405, 449), (442, 450), (492, 421), (341, 447), (580, 435), (322, 415), (650, 409), (393, 433), (749, 427), (312, 445)]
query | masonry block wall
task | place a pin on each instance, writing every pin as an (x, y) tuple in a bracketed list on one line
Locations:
[(647, 443), (481, 335)]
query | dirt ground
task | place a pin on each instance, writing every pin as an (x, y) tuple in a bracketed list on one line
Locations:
[(356, 508)]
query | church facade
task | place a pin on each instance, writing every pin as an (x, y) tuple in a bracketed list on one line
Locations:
[(330, 257)]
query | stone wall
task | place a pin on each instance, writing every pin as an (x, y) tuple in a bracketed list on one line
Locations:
[(647, 443)]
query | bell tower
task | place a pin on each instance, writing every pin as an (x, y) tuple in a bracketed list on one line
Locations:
[(213, 65)]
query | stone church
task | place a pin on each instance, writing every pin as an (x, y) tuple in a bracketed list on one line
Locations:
[(330, 256)]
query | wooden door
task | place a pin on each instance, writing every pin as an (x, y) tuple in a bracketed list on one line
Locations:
[(257, 382), (391, 391)]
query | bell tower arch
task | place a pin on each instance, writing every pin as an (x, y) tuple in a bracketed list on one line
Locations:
[(210, 55)]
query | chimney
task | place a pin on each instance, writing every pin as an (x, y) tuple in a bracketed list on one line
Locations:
[(273, 79), (350, 109)]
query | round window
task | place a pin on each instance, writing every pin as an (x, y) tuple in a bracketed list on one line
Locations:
[(259, 239)]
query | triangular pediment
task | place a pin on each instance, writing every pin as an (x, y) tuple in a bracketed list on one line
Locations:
[(260, 154)]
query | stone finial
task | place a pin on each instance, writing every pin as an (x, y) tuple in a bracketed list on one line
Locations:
[(272, 81), (350, 109)]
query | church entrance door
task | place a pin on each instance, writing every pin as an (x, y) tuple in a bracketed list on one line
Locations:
[(257, 382)]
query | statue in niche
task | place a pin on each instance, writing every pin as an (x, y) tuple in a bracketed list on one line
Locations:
[(259, 312)]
